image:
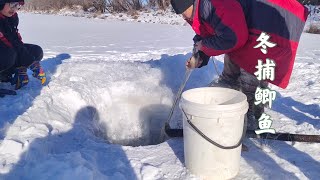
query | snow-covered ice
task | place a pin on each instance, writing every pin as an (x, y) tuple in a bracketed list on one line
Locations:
[(114, 82)]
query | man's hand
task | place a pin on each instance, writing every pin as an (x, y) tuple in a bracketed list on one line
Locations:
[(193, 62), (198, 46), (199, 58)]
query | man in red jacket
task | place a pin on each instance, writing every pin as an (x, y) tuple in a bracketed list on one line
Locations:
[(245, 31), (15, 55)]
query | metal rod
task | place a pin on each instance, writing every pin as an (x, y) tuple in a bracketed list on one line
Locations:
[(177, 98)]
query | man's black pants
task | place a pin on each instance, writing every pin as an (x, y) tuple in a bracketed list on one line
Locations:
[(11, 58)]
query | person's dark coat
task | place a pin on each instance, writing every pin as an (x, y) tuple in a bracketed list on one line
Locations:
[(233, 27)]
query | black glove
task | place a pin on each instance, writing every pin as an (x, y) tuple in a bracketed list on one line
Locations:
[(204, 58), (197, 60)]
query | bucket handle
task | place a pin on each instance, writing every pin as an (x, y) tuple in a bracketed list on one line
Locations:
[(213, 142)]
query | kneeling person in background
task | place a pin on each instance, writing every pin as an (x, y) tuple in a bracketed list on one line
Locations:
[(16, 56)]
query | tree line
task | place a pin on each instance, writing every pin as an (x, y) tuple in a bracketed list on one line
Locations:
[(112, 6), (99, 5)]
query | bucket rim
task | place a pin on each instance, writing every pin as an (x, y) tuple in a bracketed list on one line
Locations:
[(230, 107)]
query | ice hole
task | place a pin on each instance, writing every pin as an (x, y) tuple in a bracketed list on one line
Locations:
[(132, 122)]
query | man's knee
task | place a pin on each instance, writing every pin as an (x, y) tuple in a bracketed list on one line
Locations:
[(249, 82), (231, 71), (8, 59), (37, 52)]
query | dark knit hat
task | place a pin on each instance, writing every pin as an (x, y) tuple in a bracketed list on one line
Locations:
[(9, 1), (180, 6), (2, 2)]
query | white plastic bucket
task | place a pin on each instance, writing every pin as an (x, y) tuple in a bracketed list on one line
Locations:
[(219, 114)]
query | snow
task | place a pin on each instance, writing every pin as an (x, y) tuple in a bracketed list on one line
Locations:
[(114, 82), (144, 16)]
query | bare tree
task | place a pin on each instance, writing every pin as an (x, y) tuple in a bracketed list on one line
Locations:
[(163, 4), (99, 5), (124, 5)]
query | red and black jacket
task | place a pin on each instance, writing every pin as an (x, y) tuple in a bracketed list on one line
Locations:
[(9, 35), (233, 27)]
